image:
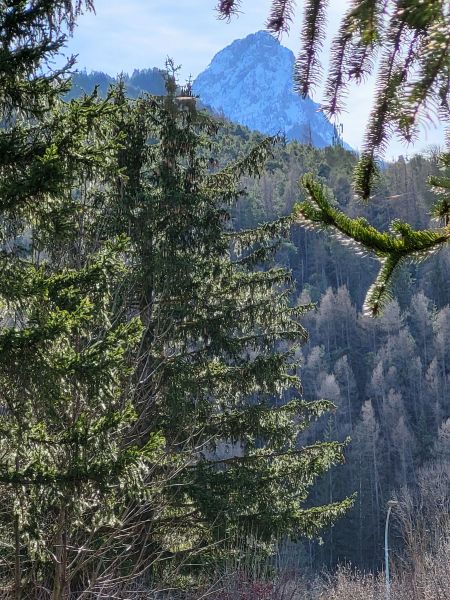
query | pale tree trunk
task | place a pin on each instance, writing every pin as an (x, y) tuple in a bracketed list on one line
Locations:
[(60, 584), (17, 562), (17, 565)]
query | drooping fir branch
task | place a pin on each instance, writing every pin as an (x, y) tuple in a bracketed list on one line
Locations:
[(307, 66), (228, 8), (105, 473), (391, 76), (367, 16), (336, 82), (281, 15), (250, 165), (353, 50), (253, 246), (263, 421), (433, 68), (22, 282), (391, 248), (255, 477)]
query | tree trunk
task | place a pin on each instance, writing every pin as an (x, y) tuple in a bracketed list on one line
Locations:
[(60, 584), (17, 566)]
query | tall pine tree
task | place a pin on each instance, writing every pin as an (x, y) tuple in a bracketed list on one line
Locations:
[(217, 374)]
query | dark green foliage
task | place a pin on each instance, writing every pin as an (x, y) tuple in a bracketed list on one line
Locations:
[(67, 471), (31, 34), (281, 15), (307, 65)]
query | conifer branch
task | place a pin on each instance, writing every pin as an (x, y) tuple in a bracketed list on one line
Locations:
[(281, 15), (433, 75), (250, 165), (307, 66), (352, 50), (367, 16), (228, 8), (392, 249), (336, 84)]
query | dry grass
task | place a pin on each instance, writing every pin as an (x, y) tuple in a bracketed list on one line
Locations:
[(429, 579)]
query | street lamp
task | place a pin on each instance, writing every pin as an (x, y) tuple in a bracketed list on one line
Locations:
[(390, 505)]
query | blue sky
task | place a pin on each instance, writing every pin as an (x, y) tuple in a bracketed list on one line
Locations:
[(133, 34)]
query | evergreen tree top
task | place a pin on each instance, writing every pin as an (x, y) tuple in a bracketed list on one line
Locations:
[(31, 34)]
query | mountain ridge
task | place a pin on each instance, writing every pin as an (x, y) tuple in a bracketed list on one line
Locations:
[(150, 81)]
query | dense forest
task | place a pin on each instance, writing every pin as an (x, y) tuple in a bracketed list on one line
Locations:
[(389, 377), (197, 397)]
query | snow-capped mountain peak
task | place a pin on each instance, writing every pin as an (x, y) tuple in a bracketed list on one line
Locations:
[(251, 82)]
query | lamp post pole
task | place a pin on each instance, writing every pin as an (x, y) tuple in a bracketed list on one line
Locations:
[(390, 504)]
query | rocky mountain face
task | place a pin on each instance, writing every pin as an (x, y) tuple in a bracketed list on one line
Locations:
[(250, 82)]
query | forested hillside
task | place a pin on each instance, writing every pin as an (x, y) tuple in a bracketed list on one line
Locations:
[(390, 376), (141, 81)]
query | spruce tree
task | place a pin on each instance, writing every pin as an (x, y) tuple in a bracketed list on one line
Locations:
[(217, 375), (67, 472)]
